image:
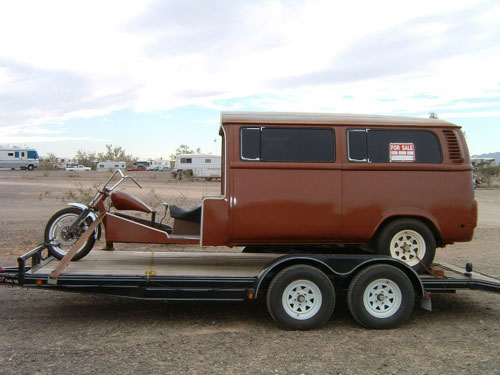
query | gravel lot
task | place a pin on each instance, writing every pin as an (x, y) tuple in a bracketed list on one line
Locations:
[(46, 332)]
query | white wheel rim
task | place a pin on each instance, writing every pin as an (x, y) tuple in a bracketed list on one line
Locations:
[(382, 298), (59, 242), (302, 299), (408, 246)]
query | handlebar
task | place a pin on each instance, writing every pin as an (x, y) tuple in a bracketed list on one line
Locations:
[(122, 178), (105, 188)]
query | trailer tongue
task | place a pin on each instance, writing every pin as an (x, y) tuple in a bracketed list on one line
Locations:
[(299, 288)]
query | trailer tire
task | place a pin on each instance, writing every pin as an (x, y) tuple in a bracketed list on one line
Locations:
[(301, 297), (55, 230), (381, 297)]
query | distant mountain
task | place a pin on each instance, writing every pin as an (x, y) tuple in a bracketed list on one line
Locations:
[(495, 155)]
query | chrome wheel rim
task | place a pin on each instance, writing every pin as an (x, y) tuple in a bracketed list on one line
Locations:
[(408, 246), (302, 299), (382, 298)]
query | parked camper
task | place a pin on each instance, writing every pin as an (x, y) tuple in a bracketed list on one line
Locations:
[(199, 165), (142, 164), (158, 164), (17, 157), (111, 165), (63, 163)]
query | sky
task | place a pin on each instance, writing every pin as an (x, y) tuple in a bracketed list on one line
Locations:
[(151, 75)]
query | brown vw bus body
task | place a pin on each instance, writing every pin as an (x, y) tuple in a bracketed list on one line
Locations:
[(352, 176)]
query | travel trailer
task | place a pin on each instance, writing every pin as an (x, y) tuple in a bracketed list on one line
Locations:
[(111, 165), (158, 164), (18, 158), (200, 165), (63, 163)]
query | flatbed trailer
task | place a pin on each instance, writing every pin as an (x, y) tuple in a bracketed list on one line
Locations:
[(299, 288)]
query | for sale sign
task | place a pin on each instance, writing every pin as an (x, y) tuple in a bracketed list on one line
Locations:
[(402, 152)]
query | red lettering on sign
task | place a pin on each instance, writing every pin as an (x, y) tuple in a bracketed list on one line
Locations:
[(402, 152)]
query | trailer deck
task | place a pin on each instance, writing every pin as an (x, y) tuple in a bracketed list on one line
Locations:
[(160, 266), (163, 263)]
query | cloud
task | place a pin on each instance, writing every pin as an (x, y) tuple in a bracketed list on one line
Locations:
[(41, 139), (30, 92), (411, 47), (38, 133)]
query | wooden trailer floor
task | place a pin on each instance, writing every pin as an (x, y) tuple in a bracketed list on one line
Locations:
[(137, 263)]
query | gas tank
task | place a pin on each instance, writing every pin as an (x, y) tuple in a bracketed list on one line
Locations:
[(126, 201)]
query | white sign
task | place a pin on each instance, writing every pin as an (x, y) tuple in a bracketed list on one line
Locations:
[(402, 152)]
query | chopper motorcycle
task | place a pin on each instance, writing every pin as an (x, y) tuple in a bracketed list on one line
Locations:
[(75, 229)]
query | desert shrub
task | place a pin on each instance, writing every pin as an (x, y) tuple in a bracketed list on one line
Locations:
[(44, 194), (81, 194)]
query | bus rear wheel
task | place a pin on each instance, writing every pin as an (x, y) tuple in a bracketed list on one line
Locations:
[(410, 241)]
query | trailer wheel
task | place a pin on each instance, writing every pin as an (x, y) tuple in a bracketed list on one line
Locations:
[(57, 238), (410, 241), (301, 297), (381, 297)]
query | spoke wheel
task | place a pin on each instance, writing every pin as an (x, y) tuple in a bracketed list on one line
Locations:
[(408, 246), (300, 297), (408, 240), (381, 296)]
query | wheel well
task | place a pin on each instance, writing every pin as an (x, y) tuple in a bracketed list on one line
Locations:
[(412, 275), (423, 220), (264, 281)]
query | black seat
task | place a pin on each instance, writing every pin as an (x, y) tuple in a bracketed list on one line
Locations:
[(188, 215)]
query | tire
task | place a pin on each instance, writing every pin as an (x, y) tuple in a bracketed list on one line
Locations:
[(410, 241), (57, 242), (381, 297), (30, 167), (301, 297)]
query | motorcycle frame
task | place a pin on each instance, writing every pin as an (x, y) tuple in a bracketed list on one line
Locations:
[(125, 228)]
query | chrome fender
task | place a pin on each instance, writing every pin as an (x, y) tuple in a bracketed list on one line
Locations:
[(91, 214)]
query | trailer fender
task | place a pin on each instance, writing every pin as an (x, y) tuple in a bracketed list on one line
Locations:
[(91, 214), (412, 275), (281, 263)]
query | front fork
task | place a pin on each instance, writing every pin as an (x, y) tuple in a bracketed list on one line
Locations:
[(86, 212)]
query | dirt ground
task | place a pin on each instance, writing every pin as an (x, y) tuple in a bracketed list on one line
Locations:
[(46, 332)]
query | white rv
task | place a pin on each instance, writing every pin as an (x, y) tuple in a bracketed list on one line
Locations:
[(111, 165), (17, 157), (201, 165), (63, 163), (158, 164)]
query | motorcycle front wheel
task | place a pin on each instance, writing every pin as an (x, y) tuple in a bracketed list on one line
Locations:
[(58, 238)]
